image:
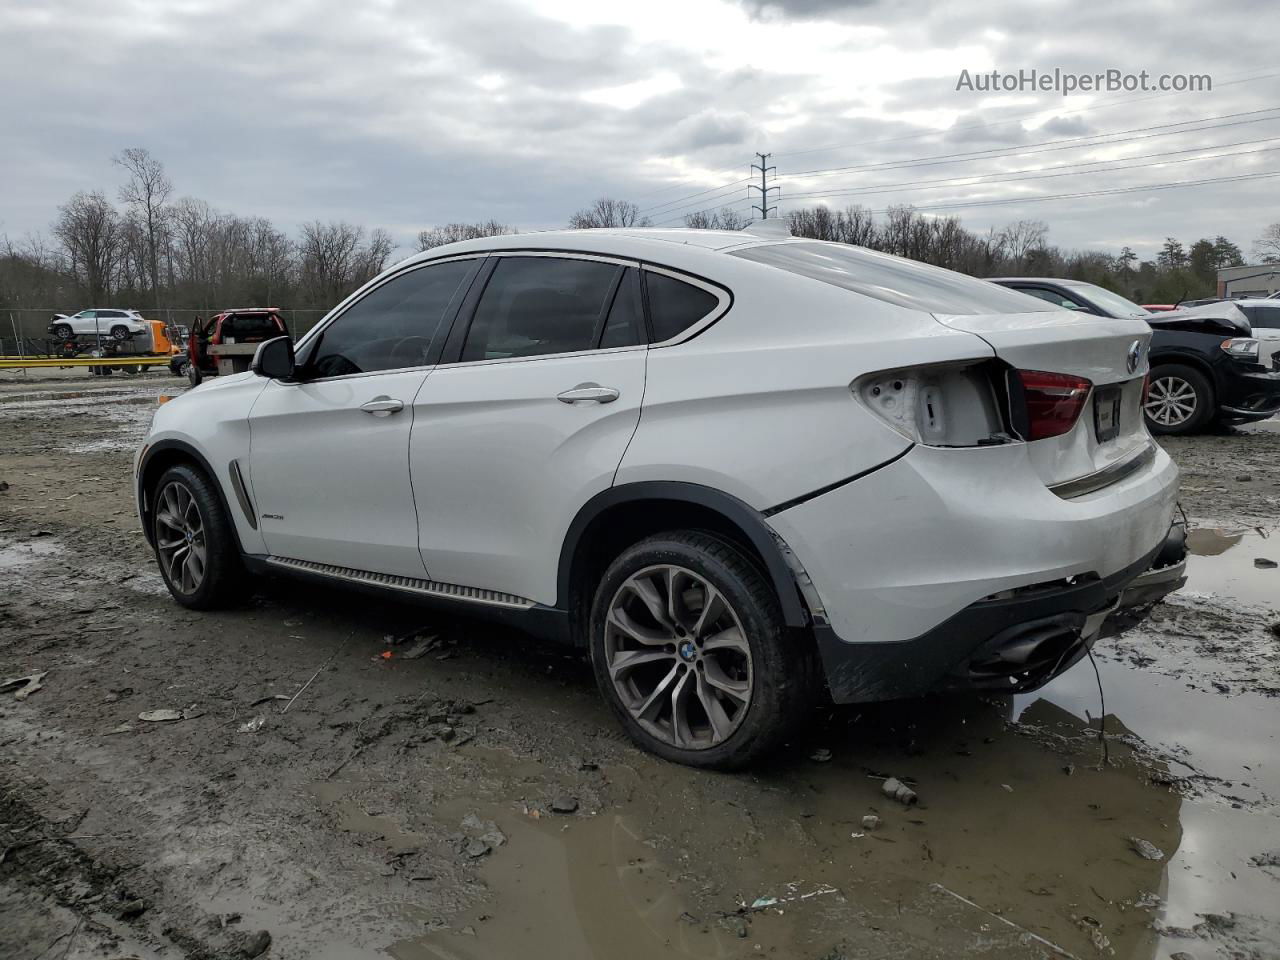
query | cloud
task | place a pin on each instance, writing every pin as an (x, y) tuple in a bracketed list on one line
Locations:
[(401, 114)]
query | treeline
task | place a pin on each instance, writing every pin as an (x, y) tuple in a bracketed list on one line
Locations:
[(1021, 248), (148, 250)]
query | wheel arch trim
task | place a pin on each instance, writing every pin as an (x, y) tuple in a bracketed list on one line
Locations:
[(746, 519), (184, 449)]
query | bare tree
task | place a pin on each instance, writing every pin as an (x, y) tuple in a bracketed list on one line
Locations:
[(88, 227), (726, 218), (454, 232), (146, 192), (608, 212), (1019, 238), (1267, 247)]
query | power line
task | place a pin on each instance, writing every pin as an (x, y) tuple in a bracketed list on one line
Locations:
[(1068, 143), (680, 201), (1105, 105), (963, 205), (996, 153), (1051, 173)]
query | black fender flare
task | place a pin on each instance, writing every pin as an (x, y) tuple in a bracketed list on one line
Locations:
[(740, 514), (189, 452)]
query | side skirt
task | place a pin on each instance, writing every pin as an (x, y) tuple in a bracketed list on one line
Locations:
[(548, 623)]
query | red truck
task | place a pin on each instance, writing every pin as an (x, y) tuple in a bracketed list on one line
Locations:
[(227, 341)]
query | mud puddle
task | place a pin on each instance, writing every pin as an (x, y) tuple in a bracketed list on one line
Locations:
[(1235, 563), (1221, 767)]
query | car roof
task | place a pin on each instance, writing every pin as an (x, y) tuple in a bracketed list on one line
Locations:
[(638, 242), (1058, 280), (1257, 302)]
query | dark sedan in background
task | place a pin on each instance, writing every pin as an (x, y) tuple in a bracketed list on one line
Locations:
[(1207, 366)]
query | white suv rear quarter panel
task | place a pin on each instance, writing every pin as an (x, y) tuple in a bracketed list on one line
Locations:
[(759, 405)]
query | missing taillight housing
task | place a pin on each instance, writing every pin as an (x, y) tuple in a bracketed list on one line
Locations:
[(1053, 401)]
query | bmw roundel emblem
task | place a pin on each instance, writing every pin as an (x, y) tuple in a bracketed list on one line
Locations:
[(1135, 356)]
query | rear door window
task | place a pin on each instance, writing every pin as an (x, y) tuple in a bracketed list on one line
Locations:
[(535, 306), (895, 280), (674, 305)]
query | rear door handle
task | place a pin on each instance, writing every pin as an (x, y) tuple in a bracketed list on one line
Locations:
[(588, 391), (382, 406)]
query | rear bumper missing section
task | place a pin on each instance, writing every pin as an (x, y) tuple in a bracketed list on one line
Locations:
[(1009, 644)]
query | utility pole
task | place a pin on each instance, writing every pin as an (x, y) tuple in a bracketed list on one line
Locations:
[(763, 186)]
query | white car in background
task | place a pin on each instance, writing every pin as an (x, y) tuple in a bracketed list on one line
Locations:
[(749, 474), (113, 323), (1264, 317)]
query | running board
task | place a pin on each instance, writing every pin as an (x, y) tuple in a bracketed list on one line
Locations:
[(429, 588)]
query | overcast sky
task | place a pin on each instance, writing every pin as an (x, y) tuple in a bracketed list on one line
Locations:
[(409, 114)]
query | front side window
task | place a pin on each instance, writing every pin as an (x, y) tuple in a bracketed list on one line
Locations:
[(675, 306), (534, 306), (392, 326)]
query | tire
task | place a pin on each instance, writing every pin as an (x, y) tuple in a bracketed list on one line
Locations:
[(194, 376), (132, 369), (63, 331), (181, 369), (186, 512), (120, 333), (755, 653), (1179, 400)]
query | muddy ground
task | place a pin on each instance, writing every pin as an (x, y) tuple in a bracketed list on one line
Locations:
[(327, 795)]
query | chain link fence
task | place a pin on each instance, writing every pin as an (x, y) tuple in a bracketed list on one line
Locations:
[(24, 331)]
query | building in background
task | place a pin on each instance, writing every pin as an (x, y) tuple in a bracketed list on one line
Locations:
[(1257, 280)]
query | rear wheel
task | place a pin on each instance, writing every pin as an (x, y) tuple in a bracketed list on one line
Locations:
[(1179, 400), (690, 650), (194, 543)]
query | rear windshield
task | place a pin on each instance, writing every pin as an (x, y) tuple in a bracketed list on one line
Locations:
[(892, 279), (245, 326), (1113, 303)]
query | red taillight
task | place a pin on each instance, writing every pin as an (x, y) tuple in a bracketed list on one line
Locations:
[(1054, 402)]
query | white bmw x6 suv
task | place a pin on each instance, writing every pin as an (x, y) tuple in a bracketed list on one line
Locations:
[(748, 473)]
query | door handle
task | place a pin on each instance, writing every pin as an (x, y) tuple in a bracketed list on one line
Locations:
[(382, 406), (588, 391)]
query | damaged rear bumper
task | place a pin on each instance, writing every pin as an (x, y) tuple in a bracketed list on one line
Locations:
[(1010, 643)]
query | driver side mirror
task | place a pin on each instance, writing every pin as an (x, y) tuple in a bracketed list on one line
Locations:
[(274, 359)]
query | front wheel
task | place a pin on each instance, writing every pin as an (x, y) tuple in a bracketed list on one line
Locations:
[(119, 333), (194, 542), (690, 650), (1179, 400), (63, 331)]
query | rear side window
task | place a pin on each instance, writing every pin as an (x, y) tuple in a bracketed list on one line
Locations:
[(675, 306), (533, 306), (392, 326), (895, 280)]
